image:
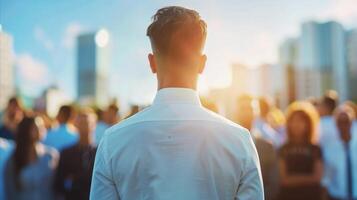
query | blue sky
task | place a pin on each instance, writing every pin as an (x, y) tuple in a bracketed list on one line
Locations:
[(247, 32)]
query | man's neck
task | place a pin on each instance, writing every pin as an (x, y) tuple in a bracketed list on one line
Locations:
[(177, 84)]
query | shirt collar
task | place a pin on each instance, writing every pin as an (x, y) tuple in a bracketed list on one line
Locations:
[(177, 96)]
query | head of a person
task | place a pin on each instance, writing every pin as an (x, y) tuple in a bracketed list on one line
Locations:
[(111, 114), (301, 123), (177, 37), (28, 133), (246, 111), (66, 114), (86, 122), (276, 118), (14, 111), (344, 116), (264, 106), (328, 103)]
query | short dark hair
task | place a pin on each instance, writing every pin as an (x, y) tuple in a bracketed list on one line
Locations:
[(66, 112), (177, 32), (330, 100)]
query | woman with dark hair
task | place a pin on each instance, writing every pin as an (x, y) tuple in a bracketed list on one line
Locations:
[(29, 171), (300, 160)]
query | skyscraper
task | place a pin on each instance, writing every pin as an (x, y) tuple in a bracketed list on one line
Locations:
[(93, 66), (6, 68), (288, 58), (322, 60), (352, 63)]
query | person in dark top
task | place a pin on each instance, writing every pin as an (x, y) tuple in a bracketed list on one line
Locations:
[(300, 160), (12, 117), (74, 173), (246, 113)]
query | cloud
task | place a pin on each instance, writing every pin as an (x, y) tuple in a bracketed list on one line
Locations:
[(32, 71), (342, 10), (42, 37), (72, 30)]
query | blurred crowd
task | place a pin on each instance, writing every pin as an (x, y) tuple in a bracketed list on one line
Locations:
[(307, 152)]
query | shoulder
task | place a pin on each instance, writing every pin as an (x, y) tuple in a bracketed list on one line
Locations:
[(49, 152), (138, 117), (227, 124)]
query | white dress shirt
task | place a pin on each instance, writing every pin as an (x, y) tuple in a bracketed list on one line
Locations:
[(176, 149), (327, 130), (335, 175)]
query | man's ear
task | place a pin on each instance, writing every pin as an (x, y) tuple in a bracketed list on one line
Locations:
[(202, 64), (152, 62)]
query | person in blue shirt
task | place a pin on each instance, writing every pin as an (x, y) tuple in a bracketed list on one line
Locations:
[(12, 116), (65, 134), (5, 152), (29, 171), (340, 157)]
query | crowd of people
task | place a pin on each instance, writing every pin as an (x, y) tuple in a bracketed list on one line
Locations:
[(176, 148), (308, 152), (44, 158)]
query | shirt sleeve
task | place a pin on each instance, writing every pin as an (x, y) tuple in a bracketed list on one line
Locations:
[(251, 184), (103, 185)]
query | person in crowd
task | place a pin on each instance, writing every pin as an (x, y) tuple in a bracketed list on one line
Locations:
[(300, 159), (261, 123), (74, 172), (246, 112), (276, 118), (64, 135), (176, 149), (340, 158), (12, 117), (110, 117), (30, 169), (327, 128), (5, 152), (100, 127)]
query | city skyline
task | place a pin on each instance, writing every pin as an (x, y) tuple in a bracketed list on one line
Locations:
[(53, 52)]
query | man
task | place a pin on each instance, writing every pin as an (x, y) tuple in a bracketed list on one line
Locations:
[(65, 134), (176, 149), (109, 118), (12, 116), (74, 173), (340, 158), (261, 124), (327, 129), (246, 113)]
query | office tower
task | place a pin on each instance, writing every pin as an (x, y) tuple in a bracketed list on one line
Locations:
[(322, 60), (352, 63), (93, 66), (288, 57), (6, 69)]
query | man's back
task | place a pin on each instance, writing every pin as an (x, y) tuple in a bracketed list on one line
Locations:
[(176, 149)]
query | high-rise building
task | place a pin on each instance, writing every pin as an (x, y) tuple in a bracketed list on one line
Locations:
[(352, 63), (270, 78), (7, 80), (322, 60), (93, 66), (288, 58)]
